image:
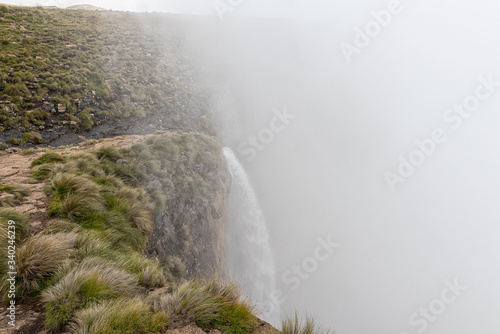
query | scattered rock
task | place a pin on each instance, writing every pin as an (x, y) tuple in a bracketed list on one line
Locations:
[(61, 108)]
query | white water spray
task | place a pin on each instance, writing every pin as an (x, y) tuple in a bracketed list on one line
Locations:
[(249, 258)]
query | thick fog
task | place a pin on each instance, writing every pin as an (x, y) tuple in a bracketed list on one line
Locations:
[(389, 148), (370, 132)]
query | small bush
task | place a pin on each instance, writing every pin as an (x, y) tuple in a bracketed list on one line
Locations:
[(86, 120), (119, 316), (33, 138)]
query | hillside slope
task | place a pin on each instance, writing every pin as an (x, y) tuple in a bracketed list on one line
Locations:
[(65, 74)]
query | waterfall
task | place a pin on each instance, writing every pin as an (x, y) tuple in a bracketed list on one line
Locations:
[(249, 259)]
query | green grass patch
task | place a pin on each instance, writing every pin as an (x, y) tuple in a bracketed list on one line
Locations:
[(127, 316), (49, 157)]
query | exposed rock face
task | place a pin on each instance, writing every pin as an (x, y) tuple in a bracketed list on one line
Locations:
[(192, 225)]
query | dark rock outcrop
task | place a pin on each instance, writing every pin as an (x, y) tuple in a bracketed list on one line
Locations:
[(191, 227)]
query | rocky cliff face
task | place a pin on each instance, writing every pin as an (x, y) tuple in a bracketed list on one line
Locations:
[(204, 220), (192, 174)]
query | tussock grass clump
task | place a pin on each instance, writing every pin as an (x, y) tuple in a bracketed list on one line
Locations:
[(212, 304), (91, 281), (297, 325), (18, 191), (119, 316), (15, 189), (109, 152), (84, 163), (40, 172), (90, 244), (235, 318), (63, 183), (28, 151), (18, 217), (110, 181), (149, 272), (40, 256), (140, 208), (49, 157), (62, 225), (190, 302), (74, 196)]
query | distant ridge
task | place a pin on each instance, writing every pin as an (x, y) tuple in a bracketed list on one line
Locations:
[(86, 7)]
